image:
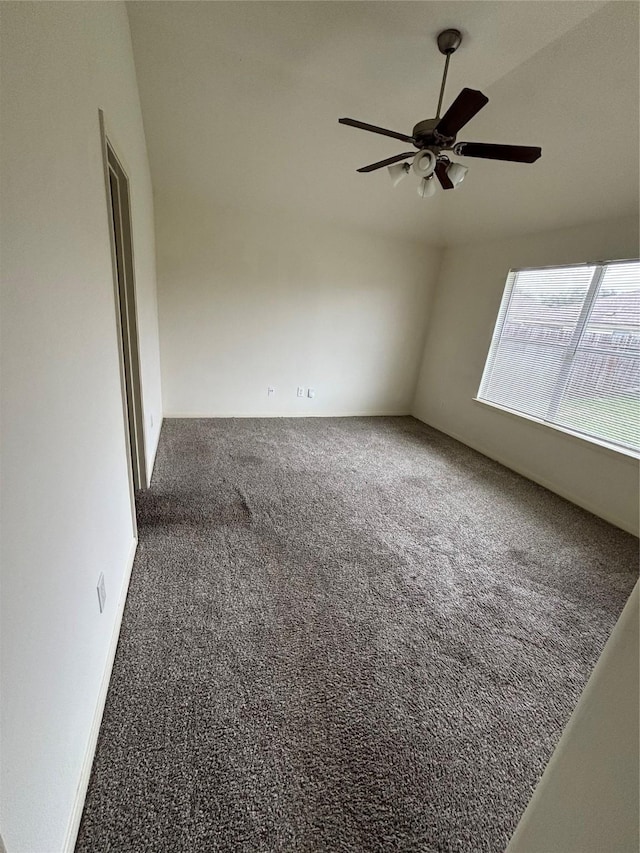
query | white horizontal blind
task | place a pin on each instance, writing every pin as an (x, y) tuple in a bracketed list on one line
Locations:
[(566, 350)]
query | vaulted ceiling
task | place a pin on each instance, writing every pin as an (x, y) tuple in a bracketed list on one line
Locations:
[(240, 103)]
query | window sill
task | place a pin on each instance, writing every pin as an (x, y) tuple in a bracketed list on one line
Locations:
[(596, 443)]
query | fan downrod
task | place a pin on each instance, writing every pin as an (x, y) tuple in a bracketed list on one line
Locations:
[(449, 41)]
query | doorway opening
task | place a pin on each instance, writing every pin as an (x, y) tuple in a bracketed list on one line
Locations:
[(118, 197)]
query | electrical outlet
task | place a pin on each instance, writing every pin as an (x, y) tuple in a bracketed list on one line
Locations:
[(311, 393), (271, 391), (102, 592), (300, 391)]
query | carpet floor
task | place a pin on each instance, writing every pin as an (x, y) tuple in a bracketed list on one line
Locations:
[(344, 635)]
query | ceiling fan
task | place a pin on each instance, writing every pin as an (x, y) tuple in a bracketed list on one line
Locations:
[(434, 136)]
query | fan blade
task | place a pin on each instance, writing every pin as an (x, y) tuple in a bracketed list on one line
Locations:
[(441, 175), (387, 162), (466, 105), (488, 151), (392, 133)]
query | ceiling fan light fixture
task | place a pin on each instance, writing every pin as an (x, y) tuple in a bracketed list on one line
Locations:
[(435, 136), (397, 172), (427, 187), (424, 163), (456, 173)]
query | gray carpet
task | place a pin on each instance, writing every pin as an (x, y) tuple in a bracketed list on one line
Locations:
[(344, 635)]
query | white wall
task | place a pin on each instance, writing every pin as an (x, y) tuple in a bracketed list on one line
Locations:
[(249, 301), (65, 509), (587, 799), (461, 323)]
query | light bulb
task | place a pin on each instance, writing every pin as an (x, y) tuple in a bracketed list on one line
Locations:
[(397, 172), (426, 187), (456, 173)]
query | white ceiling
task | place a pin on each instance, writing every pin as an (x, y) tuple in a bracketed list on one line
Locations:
[(241, 99)]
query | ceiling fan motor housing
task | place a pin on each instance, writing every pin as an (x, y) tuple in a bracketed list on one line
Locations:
[(426, 136)]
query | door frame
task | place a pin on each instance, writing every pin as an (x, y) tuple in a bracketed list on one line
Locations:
[(126, 317)]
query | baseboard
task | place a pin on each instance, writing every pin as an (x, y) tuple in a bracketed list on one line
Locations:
[(391, 413), (530, 475), (151, 462), (85, 773)]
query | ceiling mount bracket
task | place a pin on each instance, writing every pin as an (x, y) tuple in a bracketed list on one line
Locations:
[(449, 41)]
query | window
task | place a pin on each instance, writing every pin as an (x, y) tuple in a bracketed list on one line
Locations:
[(566, 350)]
